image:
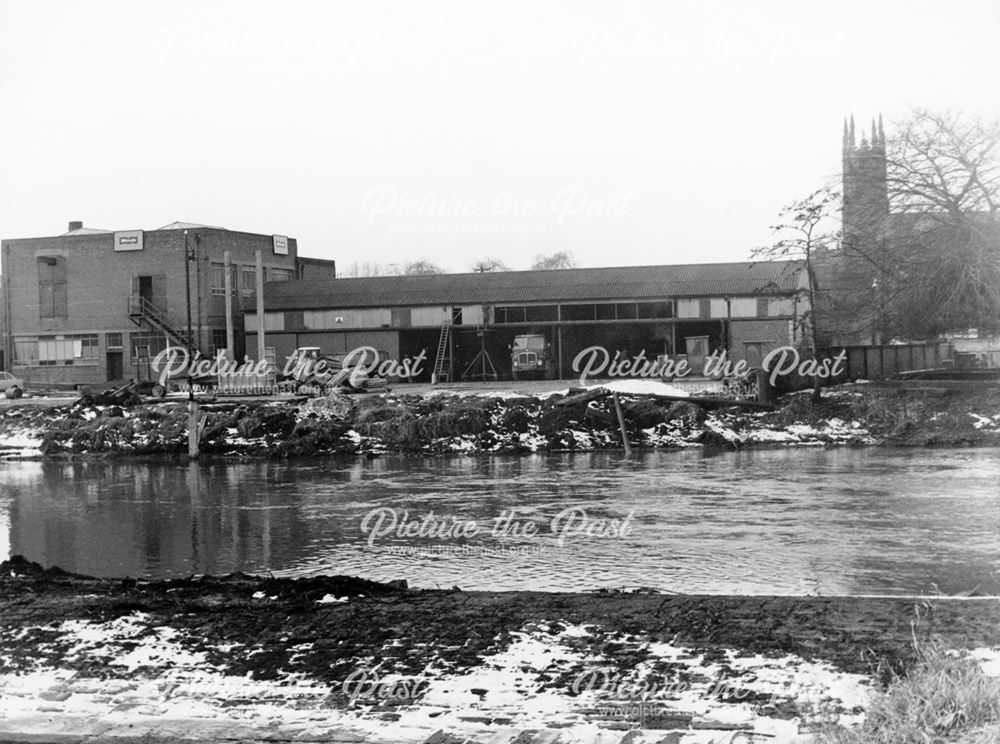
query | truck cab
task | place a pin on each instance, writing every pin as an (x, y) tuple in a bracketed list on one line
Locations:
[(531, 357)]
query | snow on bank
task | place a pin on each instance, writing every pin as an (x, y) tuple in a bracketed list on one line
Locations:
[(549, 677)]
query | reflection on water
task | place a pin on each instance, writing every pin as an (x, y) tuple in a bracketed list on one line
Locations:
[(779, 521)]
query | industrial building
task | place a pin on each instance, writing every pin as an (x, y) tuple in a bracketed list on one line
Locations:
[(91, 306), (456, 320)]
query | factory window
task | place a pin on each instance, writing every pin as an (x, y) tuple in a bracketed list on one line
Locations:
[(218, 340), (509, 314), (605, 311), (146, 344), (66, 349), (248, 281), (25, 351), (217, 276), (655, 309), (113, 341), (540, 313), (578, 312), (279, 275), (52, 287), (626, 311)]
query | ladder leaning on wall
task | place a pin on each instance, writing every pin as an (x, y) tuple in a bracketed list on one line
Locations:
[(442, 360)]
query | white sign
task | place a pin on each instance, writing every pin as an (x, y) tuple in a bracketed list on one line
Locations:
[(128, 240), (280, 245)]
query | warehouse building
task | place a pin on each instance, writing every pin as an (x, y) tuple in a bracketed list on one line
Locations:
[(456, 320), (91, 306)]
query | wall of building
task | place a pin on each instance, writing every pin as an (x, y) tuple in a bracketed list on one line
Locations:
[(73, 343)]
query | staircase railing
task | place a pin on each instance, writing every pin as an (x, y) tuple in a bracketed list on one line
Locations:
[(141, 309)]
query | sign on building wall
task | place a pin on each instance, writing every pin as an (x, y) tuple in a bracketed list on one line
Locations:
[(128, 240), (280, 245)]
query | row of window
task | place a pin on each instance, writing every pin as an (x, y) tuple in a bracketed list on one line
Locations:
[(244, 278), (83, 348), (67, 349), (53, 299), (584, 312)]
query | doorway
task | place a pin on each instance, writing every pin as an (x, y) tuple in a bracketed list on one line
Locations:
[(115, 366)]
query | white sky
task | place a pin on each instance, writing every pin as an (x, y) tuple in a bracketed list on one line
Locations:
[(643, 132)]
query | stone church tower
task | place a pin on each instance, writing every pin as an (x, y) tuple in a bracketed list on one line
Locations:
[(866, 195)]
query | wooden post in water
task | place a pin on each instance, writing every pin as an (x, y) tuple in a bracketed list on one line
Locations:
[(194, 429), (621, 425)]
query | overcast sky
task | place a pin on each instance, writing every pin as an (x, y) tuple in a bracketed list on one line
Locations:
[(625, 132)]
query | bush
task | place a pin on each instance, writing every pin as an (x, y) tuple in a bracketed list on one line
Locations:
[(943, 698)]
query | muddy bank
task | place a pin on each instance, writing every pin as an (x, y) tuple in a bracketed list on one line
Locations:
[(267, 628), (344, 659), (854, 414)]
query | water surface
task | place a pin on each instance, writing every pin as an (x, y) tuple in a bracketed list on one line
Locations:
[(791, 521)]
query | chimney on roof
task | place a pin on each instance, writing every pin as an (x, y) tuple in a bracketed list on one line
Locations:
[(75, 225)]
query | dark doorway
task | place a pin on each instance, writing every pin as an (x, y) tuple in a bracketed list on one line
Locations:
[(116, 370)]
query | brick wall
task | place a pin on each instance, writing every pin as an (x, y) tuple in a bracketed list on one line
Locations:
[(100, 280)]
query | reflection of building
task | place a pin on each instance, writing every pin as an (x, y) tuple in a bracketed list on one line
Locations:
[(746, 308), (91, 305)]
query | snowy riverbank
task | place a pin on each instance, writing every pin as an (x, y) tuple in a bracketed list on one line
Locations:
[(504, 422)]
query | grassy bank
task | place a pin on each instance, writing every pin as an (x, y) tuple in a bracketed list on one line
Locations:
[(474, 424)]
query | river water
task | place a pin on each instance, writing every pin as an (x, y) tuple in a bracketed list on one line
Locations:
[(790, 521)]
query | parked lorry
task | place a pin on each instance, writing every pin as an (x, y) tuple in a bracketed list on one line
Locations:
[(531, 357)]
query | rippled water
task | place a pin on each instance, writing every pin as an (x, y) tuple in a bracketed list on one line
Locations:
[(794, 521)]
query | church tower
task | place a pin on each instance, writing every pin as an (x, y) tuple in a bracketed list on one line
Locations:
[(866, 195)]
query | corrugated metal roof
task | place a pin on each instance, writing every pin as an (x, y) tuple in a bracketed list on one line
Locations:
[(633, 282)]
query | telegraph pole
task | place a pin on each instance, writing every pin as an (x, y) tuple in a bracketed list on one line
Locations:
[(193, 427)]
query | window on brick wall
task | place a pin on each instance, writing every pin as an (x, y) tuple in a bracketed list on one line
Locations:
[(52, 287), (217, 278), (146, 344), (279, 275), (248, 280), (218, 340), (80, 348)]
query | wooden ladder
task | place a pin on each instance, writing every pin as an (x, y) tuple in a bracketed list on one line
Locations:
[(443, 357)]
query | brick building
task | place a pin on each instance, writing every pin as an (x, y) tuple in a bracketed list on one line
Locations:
[(745, 308), (91, 306)]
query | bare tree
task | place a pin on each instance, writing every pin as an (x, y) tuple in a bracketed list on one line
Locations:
[(943, 234), (422, 267), (806, 233), (557, 260), (489, 264)]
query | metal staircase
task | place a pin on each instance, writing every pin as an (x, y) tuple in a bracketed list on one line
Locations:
[(141, 310), (442, 361)]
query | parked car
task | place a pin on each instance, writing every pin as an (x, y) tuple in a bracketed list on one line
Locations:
[(12, 387)]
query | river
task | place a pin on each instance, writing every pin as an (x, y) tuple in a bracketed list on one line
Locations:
[(788, 521)]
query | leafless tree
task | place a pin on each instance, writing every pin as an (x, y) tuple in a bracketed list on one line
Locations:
[(929, 258), (805, 233), (489, 264), (557, 260), (944, 231), (422, 267)]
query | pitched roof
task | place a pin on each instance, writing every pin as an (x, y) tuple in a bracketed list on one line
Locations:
[(84, 231), (633, 282), (187, 226)]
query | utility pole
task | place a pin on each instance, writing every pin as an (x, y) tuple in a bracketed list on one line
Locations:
[(228, 284), (193, 417)]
